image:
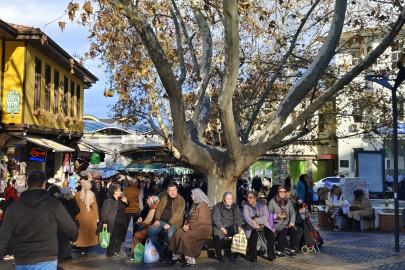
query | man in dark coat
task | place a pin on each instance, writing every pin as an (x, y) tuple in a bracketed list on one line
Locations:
[(187, 193), (257, 184), (32, 223)]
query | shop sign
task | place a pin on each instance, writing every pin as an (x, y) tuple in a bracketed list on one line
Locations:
[(326, 157), (13, 100), (133, 139), (37, 154)]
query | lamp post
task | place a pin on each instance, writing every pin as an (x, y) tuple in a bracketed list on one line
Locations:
[(383, 80)]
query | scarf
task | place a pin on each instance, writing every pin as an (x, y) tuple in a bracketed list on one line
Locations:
[(199, 197), (10, 192), (281, 201), (224, 198), (153, 202), (86, 195)]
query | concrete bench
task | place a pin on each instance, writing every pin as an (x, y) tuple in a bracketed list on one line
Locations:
[(366, 223)]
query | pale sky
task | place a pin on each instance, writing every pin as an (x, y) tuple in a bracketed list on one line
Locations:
[(73, 40)]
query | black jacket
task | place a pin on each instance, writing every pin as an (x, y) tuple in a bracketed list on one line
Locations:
[(257, 184), (69, 202), (32, 221), (109, 212)]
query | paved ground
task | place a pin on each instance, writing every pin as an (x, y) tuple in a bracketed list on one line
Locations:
[(342, 250)]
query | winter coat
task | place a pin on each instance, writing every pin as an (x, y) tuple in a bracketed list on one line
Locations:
[(329, 202), (132, 195), (190, 243), (178, 209), (257, 184), (32, 222), (88, 222), (323, 195), (300, 188), (69, 202), (261, 219), (224, 217), (109, 212), (366, 211), (280, 224)]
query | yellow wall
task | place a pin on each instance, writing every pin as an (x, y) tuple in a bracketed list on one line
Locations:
[(30, 118), (13, 76)]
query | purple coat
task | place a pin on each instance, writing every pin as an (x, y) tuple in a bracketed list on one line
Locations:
[(264, 218)]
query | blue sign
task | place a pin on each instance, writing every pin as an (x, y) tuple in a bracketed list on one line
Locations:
[(37, 159)]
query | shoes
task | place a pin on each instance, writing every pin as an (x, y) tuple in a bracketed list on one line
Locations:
[(8, 257), (336, 229), (83, 256), (161, 257), (271, 259), (109, 256), (292, 253), (188, 264), (281, 255), (118, 254), (221, 258), (232, 259)]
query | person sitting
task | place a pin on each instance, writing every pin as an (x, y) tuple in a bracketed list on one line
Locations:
[(300, 213), (323, 193), (168, 216), (256, 216), (189, 240), (284, 224), (334, 204), (140, 235), (226, 216), (360, 208)]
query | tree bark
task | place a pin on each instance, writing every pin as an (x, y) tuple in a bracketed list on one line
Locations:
[(217, 187)]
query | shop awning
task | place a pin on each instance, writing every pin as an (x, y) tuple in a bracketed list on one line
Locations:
[(136, 167), (84, 145), (56, 147)]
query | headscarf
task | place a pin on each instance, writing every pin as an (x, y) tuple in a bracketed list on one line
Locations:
[(199, 197), (153, 202), (226, 194), (86, 195), (281, 201), (52, 190), (328, 184), (10, 192), (358, 193), (66, 191)]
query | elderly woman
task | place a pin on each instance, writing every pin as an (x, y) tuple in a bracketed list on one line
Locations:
[(88, 219), (323, 193), (64, 246), (113, 217), (300, 211), (333, 205), (256, 216), (284, 224), (197, 227), (226, 216), (142, 234), (361, 207)]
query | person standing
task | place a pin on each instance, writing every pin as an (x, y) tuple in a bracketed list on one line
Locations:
[(169, 216), (88, 218), (132, 211), (390, 180), (303, 189), (257, 184), (32, 222)]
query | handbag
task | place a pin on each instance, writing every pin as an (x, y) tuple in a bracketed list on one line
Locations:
[(232, 230), (239, 243)]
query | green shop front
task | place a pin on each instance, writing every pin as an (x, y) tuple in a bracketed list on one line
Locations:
[(263, 169)]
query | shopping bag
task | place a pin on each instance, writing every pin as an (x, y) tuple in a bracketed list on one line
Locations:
[(261, 246), (104, 238), (151, 255), (139, 251), (239, 243), (346, 207)]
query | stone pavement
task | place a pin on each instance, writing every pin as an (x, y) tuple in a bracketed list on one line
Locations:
[(341, 250)]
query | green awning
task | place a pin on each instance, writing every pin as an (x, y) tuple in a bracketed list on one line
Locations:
[(174, 171), (136, 167)]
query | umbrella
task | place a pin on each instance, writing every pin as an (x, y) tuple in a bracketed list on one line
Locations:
[(118, 167), (97, 173), (109, 174)]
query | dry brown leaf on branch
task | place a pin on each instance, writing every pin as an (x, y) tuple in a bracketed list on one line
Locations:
[(87, 7), (62, 25), (44, 39)]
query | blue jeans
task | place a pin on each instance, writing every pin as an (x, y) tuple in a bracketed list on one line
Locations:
[(51, 265), (153, 233)]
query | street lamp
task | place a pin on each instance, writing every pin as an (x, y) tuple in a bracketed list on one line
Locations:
[(383, 80)]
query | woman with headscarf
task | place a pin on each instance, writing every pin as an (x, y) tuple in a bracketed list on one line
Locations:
[(68, 201), (87, 217), (146, 222), (197, 227), (360, 208), (334, 204), (323, 193), (256, 216), (303, 189), (284, 223), (226, 218)]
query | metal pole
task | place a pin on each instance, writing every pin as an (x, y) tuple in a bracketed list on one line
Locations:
[(395, 127)]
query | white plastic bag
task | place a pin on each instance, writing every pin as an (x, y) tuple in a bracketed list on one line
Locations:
[(151, 255), (346, 207)]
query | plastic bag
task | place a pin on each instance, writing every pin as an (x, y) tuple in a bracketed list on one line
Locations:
[(104, 238), (151, 255), (139, 251), (261, 246), (346, 207), (239, 243), (315, 198)]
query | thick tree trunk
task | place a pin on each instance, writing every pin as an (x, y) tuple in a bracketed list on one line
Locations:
[(217, 187)]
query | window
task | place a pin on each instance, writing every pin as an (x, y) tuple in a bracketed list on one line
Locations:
[(47, 104), (78, 96), (65, 95), (72, 98), (56, 86), (37, 90)]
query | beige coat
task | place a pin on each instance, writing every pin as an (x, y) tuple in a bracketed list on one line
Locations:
[(366, 208), (329, 201), (87, 222)]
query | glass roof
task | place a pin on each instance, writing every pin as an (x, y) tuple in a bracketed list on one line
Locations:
[(113, 128)]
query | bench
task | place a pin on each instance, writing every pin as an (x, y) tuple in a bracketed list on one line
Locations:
[(366, 223)]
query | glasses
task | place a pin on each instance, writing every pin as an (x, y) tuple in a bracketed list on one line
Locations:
[(282, 191)]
